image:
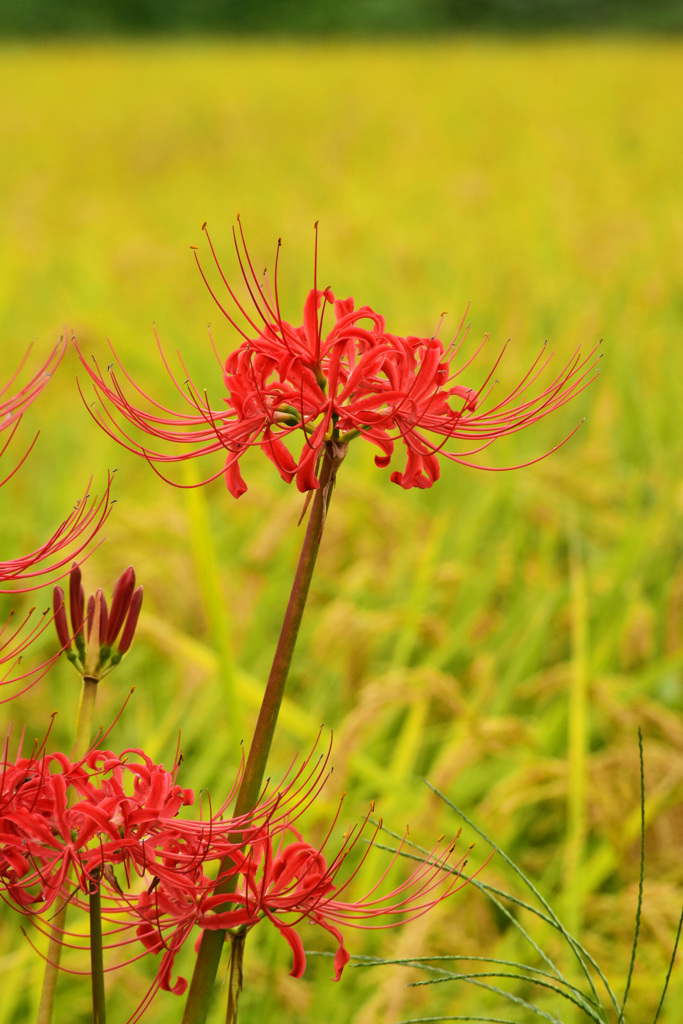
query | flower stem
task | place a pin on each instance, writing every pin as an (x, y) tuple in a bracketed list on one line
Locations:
[(54, 950), (235, 979), (96, 957), (252, 781), (206, 966), (86, 711)]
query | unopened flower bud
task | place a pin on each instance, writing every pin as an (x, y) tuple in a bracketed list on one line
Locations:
[(120, 603), (90, 616), (95, 629), (131, 621), (104, 616), (76, 599), (97, 609), (61, 625)]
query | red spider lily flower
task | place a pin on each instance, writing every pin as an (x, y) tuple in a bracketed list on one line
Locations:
[(290, 390), (294, 883), (57, 815), (285, 880), (91, 644), (113, 820), (122, 809), (69, 540)]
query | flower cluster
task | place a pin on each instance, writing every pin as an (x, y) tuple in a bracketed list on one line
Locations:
[(290, 390), (112, 822), (282, 878), (59, 816), (92, 645)]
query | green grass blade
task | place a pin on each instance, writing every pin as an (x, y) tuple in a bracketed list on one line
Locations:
[(580, 953), (639, 907), (493, 893), (671, 967)]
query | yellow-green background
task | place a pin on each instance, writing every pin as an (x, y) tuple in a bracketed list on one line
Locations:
[(452, 633)]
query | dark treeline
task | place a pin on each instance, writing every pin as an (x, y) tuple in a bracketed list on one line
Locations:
[(50, 17)]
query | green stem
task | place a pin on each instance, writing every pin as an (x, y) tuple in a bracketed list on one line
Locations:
[(54, 952), (84, 720), (206, 966), (236, 975), (86, 713), (99, 1015)]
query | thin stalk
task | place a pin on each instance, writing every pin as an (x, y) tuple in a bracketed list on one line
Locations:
[(208, 958), (84, 720), (236, 975), (99, 1015), (641, 880), (252, 781), (54, 951), (86, 713)]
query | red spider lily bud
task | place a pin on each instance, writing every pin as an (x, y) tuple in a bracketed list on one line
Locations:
[(76, 599), (120, 603), (77, 609), (104, 615), (97, 619), (62, 627), (61, 624), (95, 633), (131, 621), (90, 616)]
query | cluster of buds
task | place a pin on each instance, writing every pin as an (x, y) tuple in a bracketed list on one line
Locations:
[(91, 644)]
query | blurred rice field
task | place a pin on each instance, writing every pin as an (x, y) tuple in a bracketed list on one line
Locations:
[(502, 635)]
